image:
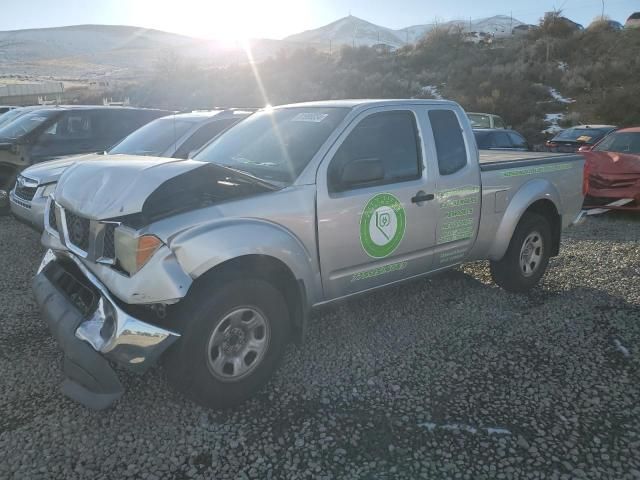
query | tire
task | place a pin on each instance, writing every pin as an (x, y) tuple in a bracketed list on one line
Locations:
[(533, 233), (217, 317)]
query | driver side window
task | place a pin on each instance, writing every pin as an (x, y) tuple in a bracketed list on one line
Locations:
[(383, 148)]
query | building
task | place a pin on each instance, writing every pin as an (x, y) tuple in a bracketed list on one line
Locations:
[(31, 93)]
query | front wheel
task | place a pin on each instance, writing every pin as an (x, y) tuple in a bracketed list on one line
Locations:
[(527, 257), (235, 335)]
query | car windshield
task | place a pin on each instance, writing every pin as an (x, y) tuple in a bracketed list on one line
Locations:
[(479, 120), (274, 145), (582, 135), (620, 142), (10, 116), (25, 123), (154, 138)]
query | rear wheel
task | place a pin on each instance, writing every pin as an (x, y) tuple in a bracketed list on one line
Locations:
[(527, 257), (235, 335)]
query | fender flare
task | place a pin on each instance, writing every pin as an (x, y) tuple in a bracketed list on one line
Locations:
[(527, 194), (208, 245)]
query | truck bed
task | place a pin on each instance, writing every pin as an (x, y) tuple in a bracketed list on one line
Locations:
[(497, 160)]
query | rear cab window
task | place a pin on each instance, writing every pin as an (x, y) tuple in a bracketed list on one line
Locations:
[(449, 141)]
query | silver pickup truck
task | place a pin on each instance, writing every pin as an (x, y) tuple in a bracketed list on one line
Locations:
[(213, 263)]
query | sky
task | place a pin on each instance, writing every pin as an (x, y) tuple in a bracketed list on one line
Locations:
[(240, 19)]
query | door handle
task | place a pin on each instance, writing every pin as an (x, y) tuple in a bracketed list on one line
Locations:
[(422, 197)]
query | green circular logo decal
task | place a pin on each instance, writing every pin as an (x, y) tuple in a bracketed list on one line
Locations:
[(382, 225)]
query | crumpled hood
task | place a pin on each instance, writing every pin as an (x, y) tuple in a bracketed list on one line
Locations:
[(152, 187), (50, 171), (613, 162)]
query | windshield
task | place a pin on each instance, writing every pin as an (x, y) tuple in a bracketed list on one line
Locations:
[(10, 116), (274, 145), (154, 138), (479, 120), (621, 142), (25, 123), (582, 135)]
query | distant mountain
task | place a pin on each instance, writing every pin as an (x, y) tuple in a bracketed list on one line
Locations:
[(349, 31), (355, 31)]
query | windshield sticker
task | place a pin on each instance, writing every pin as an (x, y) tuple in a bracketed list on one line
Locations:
[(537, 170), (376, 272), (583, 138), (382, 225), (310, 117)]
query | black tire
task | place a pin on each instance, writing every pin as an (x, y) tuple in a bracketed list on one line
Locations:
[(508, 272), (187, 363)]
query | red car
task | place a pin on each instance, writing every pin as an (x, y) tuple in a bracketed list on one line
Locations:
[(612, 166)]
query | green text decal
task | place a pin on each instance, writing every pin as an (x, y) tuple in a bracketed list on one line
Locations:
[(382, 225), (520, 172), (376, 272)]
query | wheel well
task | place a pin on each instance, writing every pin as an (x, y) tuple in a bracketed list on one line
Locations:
[(547, 209), (7, 174), (274, 271)]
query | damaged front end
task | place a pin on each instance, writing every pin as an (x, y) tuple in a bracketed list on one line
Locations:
[(93, 330)]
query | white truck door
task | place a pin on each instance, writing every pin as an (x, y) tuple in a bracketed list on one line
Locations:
[(376, 206), (458, 193)]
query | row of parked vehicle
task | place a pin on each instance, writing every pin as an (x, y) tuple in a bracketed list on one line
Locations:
[(53, 138), (212, 257), (612, 155)]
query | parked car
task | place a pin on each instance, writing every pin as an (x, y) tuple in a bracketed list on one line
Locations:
[(222, 256), (52, 132), (486, 120), (171, 136), (612, 168), (500, 139), (571, 139)]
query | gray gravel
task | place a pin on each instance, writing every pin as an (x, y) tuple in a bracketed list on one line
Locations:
[(449, 377)]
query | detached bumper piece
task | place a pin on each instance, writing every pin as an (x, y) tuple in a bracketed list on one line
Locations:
[(92, 331)]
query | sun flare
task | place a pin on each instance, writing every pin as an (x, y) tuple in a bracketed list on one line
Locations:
[(227, 22)]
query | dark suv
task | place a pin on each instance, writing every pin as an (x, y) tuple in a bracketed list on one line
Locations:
[(48, 133)]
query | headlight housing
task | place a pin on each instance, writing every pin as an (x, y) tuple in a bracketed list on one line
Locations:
[(49, 189), (134, 251)]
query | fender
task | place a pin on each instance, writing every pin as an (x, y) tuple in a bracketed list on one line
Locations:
[(205, 246), (530, 192)]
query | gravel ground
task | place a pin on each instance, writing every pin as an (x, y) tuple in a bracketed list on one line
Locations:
[(448, 377)]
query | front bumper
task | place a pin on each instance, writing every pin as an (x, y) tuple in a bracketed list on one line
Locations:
[(92, 330), (29, 211)]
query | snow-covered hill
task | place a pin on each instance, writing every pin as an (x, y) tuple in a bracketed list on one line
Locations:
[(349, 31), (355, 31)]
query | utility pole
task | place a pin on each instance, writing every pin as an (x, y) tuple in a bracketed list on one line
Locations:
[(602, 16)]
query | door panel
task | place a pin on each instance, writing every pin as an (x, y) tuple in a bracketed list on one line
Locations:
[(373, 234), (458, 193)]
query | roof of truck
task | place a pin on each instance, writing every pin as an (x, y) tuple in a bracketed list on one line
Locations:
[(352, 103)]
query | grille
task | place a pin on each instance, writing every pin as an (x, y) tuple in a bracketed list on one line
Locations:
[(78, 231), (53, 221), (109, 249), (24, 192)]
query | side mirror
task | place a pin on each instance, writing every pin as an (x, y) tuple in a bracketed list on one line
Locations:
[(361, 171), (585, 148)]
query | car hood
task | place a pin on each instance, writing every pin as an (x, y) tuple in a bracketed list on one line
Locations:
[(50, 171), (613, 162), (149, 188)]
